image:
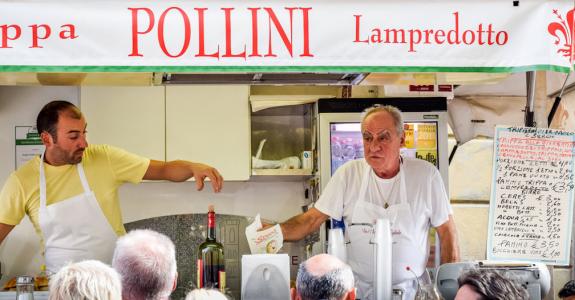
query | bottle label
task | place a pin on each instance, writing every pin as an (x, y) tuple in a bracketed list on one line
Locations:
[(200, 273), (222, 280), (211, 219)]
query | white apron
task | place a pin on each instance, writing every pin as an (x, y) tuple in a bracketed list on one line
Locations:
[(405, 252), (74, 229)]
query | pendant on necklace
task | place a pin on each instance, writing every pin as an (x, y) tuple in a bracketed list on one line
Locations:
[(385, 205)]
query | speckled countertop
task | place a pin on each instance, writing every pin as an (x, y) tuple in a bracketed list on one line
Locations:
[(188, 232)]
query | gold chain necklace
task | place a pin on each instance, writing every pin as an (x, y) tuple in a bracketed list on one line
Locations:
[(391, 190)]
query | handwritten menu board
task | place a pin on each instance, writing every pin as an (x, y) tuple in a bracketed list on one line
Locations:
[(531, 209)]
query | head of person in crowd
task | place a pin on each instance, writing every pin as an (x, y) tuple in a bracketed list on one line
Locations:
[(383, 137), (205, 294), (146, 260), (62, 129), (485, 284), (324, 277), (568, 291), (86, 280)]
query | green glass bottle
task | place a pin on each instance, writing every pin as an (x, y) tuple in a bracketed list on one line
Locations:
[(211, 268)]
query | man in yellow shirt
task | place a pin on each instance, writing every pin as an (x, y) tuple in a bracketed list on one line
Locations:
[(70, 193)]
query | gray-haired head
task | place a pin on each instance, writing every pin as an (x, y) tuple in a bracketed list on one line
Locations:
[(493, 285), (146, 260), (86, 280), (205, 294), (324, 277), (393, 111)]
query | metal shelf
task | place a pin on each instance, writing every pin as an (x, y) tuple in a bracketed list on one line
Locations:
[(281, 174)]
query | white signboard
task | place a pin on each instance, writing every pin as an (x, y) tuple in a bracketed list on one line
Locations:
[(28, 144), (284, 36), (531, 209)]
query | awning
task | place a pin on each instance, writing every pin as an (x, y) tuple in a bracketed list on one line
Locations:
[(286, 36)]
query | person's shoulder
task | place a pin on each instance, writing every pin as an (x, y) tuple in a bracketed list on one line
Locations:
[(28, 168), (419, 166), (97, 150), (92, 149), (353, 166), (113, 156), (26, 175), (97, 153)]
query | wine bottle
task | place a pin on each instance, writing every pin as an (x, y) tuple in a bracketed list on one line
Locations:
[(211, 269)]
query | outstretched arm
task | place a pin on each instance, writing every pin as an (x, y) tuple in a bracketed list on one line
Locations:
[(301, 225), (448, 241), (181, 170)]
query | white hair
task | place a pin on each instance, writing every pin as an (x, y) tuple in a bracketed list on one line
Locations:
[(205, 294), (392, 110), (332, 285), (86, 280), (146, 260)]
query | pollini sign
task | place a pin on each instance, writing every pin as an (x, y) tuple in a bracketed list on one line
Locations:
[(318, 36), (144, 17)]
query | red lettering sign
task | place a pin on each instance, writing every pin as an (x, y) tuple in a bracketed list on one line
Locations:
[(144, 24), (480, 35), (37, 33)]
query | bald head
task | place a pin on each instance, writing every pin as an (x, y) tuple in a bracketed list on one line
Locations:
[(321, 264), (324, 277)]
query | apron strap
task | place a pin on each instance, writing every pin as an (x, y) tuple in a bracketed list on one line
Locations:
[(83, 178), (402, 189), (42, 184), (364, 182)]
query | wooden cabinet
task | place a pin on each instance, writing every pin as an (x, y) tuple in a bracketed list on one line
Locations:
[(131, 118), (207, 124), (210, 124)]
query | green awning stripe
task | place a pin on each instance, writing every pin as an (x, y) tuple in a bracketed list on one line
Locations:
[(275, 69), (29, 142)]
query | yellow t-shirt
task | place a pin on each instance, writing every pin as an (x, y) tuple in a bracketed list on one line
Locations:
[(106, 168)]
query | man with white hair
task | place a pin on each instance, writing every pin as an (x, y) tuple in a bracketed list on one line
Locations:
[(146, 260), (324, 277), (409, 192), (87, 280)]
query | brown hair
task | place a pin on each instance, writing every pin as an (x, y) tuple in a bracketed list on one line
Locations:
[(48, 116)]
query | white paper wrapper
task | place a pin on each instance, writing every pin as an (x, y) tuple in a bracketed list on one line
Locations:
[(268, 241)]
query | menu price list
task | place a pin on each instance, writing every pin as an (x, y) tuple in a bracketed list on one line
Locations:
[(532, 195)]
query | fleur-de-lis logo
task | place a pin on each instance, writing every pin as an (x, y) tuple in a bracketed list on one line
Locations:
[(563, 33)]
